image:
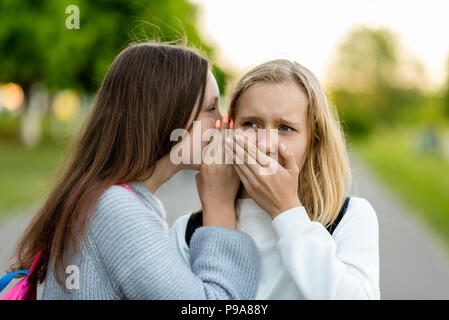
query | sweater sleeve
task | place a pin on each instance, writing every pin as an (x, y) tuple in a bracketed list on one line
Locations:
[(342, 266), (141, 263)]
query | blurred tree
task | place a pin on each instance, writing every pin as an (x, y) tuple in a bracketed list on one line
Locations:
[(446, 92), (372, 79), (36, 46)]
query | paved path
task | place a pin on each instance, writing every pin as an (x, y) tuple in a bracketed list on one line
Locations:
[(413, 263)]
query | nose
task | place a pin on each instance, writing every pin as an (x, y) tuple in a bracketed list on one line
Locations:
[(267, 141)]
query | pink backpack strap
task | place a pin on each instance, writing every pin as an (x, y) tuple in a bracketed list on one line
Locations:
[(24, 289), (36, 260), (127, 187)]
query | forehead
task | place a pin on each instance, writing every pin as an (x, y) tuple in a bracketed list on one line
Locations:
[(211, 87), (272, 100)]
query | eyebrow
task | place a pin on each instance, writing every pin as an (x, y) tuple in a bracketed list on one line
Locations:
[(278, 120)]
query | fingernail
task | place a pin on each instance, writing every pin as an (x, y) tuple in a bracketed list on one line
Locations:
[(217, 124), (226, 118), (232, 124), (283, 147)]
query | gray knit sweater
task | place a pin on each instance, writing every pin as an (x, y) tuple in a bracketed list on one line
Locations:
[(127, 255)]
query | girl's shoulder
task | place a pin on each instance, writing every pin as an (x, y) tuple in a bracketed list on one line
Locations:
[(360, 204), (117, 202), (359, 213), (117, 195)]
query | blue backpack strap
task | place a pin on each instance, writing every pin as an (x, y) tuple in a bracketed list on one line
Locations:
[(6, 279)]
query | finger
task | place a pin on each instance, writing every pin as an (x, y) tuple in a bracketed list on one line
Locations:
[(223, 134), (241, 154), (238, 152), (257, 168), (248, 167), (248, 179), (225, 122), (244, 149), (211, 152), (289, 158), (242, 177), (228, 150), (260, 157)]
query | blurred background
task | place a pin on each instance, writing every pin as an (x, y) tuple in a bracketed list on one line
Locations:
[(384, 64)]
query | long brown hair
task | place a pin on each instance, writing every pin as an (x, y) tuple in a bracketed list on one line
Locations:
[(325, 177), (150, 90)]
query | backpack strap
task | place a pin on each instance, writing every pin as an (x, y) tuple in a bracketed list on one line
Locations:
[(337, 220), (124, 185), (29, 288), (196, 220), (7, 278)]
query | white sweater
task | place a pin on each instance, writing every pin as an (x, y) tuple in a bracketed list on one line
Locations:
[(300, 259)]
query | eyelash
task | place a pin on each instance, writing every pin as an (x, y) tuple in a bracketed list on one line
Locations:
[(211, 109), (290, 128), (249, 124)]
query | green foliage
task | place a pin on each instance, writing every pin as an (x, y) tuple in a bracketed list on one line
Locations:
[(36, 46), (445, 100), (368, 83), (365, 61), (222, 77)]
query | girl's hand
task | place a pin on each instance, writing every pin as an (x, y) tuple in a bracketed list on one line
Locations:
[(217, 184), (273, 187)]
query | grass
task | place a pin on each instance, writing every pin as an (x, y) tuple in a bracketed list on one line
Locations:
[(421, 180), (25, 173)]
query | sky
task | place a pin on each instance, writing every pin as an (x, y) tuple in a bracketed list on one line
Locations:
[(247, 32)]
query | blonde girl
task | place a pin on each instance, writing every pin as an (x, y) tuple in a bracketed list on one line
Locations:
[(314, 241)]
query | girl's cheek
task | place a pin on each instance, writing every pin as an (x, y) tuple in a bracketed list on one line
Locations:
[(208, 122), (301, 158), (212, 117), (298, 149)]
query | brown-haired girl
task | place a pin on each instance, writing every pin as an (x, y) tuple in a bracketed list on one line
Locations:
[(102, 215)]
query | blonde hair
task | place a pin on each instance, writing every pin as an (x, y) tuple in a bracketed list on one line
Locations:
[(325, 176)]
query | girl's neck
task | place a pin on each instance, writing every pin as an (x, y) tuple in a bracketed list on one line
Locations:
[(163, 171)]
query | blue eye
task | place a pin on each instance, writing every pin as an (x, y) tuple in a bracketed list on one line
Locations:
[(285, 128), (250, 124)]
